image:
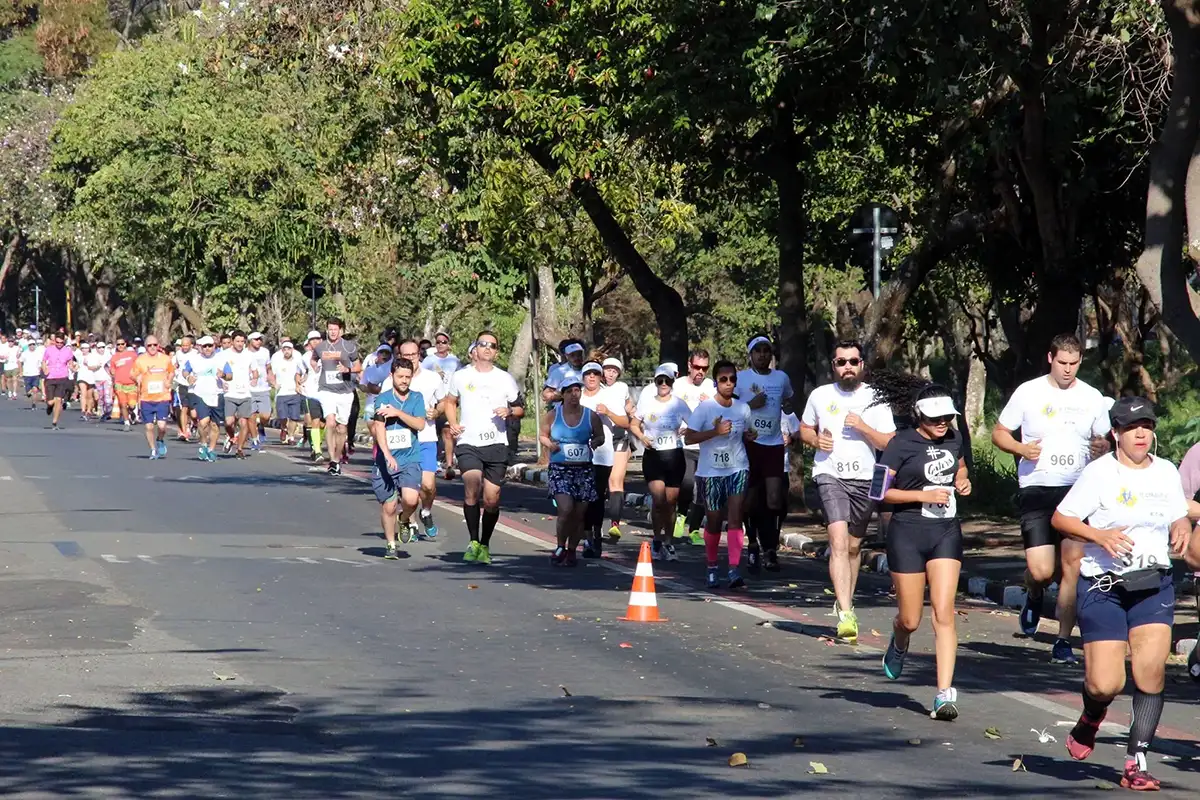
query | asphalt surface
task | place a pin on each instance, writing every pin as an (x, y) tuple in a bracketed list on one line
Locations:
[(184, 629)]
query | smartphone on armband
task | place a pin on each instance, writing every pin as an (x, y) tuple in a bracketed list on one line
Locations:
[(881, 481)]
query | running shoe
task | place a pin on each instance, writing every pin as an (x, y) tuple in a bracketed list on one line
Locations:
[(614, 533), (127, 425), (54, 426), (771, 561), (228, 445), (203, 452), (714, 578), (847, 627), (256, 445), (483, 556), (657, 553), (696, 538), (241, 454), (413, 530), (1137, 778), (945, 705), (390, 552), (472, 552), (431, 528), (212, 455), (1081, 741), (1062, 653), (680, 527), (736, 581), (154, 456), (162, 449), (334, 468), (671, 555), (589, 548), (893, 660), (753, 561), (1194, 663), (1031, 614), (558, 557), (571, 560), (314, 456), (406, 530)]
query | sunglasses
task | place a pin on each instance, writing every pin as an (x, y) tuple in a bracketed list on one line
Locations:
[(488, 345), (662, 380), (841, 362), (443, 341), (699, 367), (727, 379), (940, 420)]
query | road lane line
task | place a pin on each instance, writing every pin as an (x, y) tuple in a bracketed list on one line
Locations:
[(113, 559)]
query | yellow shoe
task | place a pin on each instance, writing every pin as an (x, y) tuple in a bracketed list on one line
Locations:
[(483, 556), (614, 534), (472, 553), (847, 627)]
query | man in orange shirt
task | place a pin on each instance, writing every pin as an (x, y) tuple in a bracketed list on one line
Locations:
[(124, 387), (153, 371)]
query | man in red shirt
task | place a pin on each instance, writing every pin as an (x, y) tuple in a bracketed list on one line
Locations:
[(124, 386)]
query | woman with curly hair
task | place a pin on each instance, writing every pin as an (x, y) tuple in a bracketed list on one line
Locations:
[(926, 470)]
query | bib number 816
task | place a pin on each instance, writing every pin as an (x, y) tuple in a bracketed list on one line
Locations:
[(843, 467)]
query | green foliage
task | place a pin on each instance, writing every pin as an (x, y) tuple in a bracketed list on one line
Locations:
[(19, 58)]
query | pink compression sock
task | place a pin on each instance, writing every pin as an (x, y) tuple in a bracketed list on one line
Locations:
[(736, 539), (712, 546)]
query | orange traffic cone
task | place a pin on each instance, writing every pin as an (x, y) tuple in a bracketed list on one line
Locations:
[(643, 604)]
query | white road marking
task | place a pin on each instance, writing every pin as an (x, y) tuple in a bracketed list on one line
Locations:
[(5, 477), (147, 559), (113, 559), (351, 563)]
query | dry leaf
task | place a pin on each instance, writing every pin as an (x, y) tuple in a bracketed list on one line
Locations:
[(738, 760), (221, 677), (472, 586), (817, 768), (793, 586), (829, 591), (992, 733), (625, 645), (962, 613), (563, 617), (798, 742), (875, 632), (710, 742), (566, 691), (1019, 765), (1104, 785), (914, 742)]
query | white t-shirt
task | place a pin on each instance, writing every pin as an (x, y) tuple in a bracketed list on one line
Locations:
[(430, 385), (12, 359), (479, 394), (1063, 420), (95, 362), (693, 395), (444, 368), (31, 362), (778, 387), (662, 420), (239, 364), (721, 455), (206, 371), (261, 358), (181, 360), (1142, 501), (791, 426), (5, 350), (312, 378), (613, 398), (852, 457), (285, 370)]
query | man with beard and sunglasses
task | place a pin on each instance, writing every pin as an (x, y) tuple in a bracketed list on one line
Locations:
[(1062, 421), (845, 428)]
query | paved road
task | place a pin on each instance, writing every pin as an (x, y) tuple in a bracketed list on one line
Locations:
[(181, 629)]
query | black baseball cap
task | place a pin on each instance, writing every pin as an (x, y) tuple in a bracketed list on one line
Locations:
[(1129, 410)]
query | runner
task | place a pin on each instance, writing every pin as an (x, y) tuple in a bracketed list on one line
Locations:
[(239, 372), (153, 372), (120, 366), (721, 426), (97, 362), (314, 415), (377, 370), (657, 423), (441, 362), (482, 393), (845, 427), (924, 538), (287, 374), (693, 390), (203, 372), (1061, 419), (570, 433), (85, 381), (572, 351), (58, 365), (31, 371), (432, 388), (183, 353), (12, 366), (396, 479), (610, 406), (6, 349), (337, 361), (260, 390), (1136, 515), (622, 450), (765, 390)]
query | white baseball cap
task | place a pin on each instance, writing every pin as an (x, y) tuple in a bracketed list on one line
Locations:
[(313, 335), (255, 335), (287, 343), (205, 340), (592, 366), (931, 407), (613, 362), (573, 347), (664, 371), (671, 366)]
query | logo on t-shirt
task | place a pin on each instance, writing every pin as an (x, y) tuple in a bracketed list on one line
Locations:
[(939, 462), (1049, 411), (652, 417), (470, 387), (1127, 498), (832, 408), (755, 388)]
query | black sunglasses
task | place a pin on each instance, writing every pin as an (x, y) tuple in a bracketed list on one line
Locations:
[(443, 341), (488, 345), (727, 379), (940, 420), (841, 362), (663, 380)]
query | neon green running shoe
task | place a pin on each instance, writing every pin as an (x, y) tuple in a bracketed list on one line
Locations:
[(847, 627), (482, 555), (680, 528), (697, 538), (472, 553)]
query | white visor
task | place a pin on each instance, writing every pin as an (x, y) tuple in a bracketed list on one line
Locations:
[(575, 347), (756, 341), (931, 407)]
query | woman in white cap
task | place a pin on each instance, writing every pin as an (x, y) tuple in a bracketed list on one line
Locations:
[(619, 398), (924, 471), (571, 433), (656, 422), (598, 398)]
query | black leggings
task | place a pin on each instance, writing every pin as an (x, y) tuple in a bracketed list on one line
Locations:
[(687, 504), (352, 423), (594, 520)]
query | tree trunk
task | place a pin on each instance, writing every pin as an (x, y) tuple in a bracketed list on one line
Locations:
[(791, 230), (10, 254), (975, 394), (546, 326), (1174, 181), (162, 319), (522, 349)]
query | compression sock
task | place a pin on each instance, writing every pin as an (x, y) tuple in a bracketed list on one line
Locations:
[(471, 515), (1147, 708), (616, 502), (712, 547), (315, 438), (736, 538), (490, 517)]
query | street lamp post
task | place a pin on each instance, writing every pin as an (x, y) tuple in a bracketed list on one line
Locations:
[(875, 225)]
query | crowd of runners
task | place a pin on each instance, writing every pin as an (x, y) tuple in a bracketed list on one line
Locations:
[(1101, 515)]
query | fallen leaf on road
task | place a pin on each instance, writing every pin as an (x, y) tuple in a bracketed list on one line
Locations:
[(992, 733), (566, 692), (1104, 785), (1043, 737), (763, 706), (817, 768), (472, 586), (1019, 765), (829, 591), (962, 613), (738, 760), (221, 677), (793, 586), (798, 742), (563, 617), (1000, 613), (875, 632), (914, 742), (710, 742), (626, 645)]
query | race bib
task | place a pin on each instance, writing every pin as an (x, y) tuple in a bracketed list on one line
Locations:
[(1062, 456), (765, 426), (577, 453), (847, 468), (666, 441), (488, 437), (399, 438), (721, 458), (945, 510), (154, 387), (333, 375)]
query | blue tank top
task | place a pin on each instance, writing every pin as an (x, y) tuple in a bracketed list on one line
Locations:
[(573, 442)]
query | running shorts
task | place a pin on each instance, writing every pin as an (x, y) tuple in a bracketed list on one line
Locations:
[(126, 393), (31, 383), (289, 406), (429, 457), (10, 372), (155, 411), (59, 388), (338, 405), (715, 492), (577, 481), (260, 403), (846, 501), (1109, 616), (186, 398), (205, 411), (491, 460), (387, 485), (312, 407), (911, 545), (1037, 505), (667, 466), (766, 461), (238, 408)]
